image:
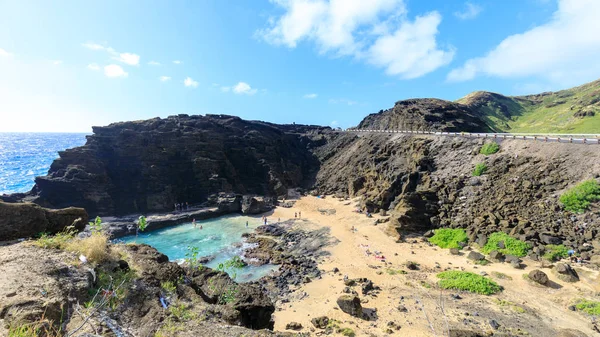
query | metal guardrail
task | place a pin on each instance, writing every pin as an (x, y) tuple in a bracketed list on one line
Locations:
[(586, 139)]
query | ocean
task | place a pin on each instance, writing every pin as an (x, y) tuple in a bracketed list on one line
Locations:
[(24, 156)]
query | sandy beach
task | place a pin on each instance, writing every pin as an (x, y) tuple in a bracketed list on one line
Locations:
[(522, 308)]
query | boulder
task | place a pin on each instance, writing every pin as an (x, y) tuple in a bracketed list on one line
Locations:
[(256, 205), (22, 220), (475, 256), (454, 251), (538, 276), (229, 203), (320, 322), (565, 273), (293, 326), (550, 239), (496, 256), (350, 305)]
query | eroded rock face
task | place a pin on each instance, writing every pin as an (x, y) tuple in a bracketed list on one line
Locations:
[(150, 165), (21, 220)]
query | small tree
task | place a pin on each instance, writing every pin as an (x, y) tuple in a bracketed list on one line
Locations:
[(142, 224), (96, 225)]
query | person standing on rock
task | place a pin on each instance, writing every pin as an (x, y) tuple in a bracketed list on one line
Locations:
[(246, 224), (295, 215), (299, 215), (194, 222)]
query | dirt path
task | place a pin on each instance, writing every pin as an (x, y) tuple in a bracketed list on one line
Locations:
[(522, 305)]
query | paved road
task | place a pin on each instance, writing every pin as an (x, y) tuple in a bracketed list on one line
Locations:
[(584, 139)]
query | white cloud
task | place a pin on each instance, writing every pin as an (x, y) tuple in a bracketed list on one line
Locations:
[(153, 63), (113, 70), (128, 58), (4, 53), (243, 88), (377, 32), (225, 89), (93, 66), (177, 62), (164, 78), (471, 11), (310, 96), (94, 46), (334, 123), (564, 50), (189, 82)]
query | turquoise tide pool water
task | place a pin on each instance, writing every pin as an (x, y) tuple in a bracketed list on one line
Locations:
[(220, 237), (24, 156)]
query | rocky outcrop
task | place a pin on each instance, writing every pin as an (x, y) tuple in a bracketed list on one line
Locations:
[(145, 166), (22, 220), (426, 114)]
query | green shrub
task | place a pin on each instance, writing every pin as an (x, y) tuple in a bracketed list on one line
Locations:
[(479, 169), (589, 307), (449, 238), (347, 332), (489, 148), (462, 280), (578, 198), (556, 252), (56, 241), (169, 286), (512, 246)]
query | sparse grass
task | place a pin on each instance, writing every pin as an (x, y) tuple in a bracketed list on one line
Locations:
[(501, 276), (392, 272), (480, 169), (181, 312), (489, 148), (579, 198), (347, 332), (94, 247), (483, 262), (449, 238), (425, 284), (589, 307), (113, 285), (57, 241), (169, 287), (512, 246), (556, 252), (42, 327), (513, 306), (467, 281)]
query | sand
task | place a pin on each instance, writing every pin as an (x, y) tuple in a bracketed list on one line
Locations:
[(431, 311)]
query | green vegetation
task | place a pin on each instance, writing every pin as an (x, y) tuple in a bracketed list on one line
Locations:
[(347, 332), (579, 198), (142, 223), (40, 328), (57, 241), (169, 287), (181, 312), (111, 288), (462, 280), (480, 169), (449, 238), (392, 272), (589, 307), (501, 276), (489, 148), (192, 258), (334, 325), (549, 113), (556, 252), (513, 306), (512, 246), (96, 225), (227, 293)]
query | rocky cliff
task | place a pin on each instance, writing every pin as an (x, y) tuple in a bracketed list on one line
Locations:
[(150, 165)]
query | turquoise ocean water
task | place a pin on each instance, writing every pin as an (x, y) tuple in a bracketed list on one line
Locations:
[(220, 238), (24, 156)]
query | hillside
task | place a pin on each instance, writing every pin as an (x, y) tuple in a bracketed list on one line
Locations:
[(575, 110)]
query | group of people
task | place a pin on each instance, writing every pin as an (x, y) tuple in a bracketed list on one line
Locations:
[(182, 206)]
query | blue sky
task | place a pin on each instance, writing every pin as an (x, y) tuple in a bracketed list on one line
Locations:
[(68, 65)]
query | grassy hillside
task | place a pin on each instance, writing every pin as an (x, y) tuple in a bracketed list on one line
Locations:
[(575, 110)]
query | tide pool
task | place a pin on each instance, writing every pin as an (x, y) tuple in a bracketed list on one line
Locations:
[(220, 237)]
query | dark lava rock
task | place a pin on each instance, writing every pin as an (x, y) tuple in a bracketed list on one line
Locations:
[(22, 220), (512, 258), (494, 324), (550, 240), (481, 240), (454, 251), (496, 256), (320, 322), (149, 166), (349, 282), (367, 287), (293, 326), (256, 205), (475, 256), (538, 276), (465, 333), (565, 273), (272, 230), (350, 305), (402, 308), (410, 265)]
